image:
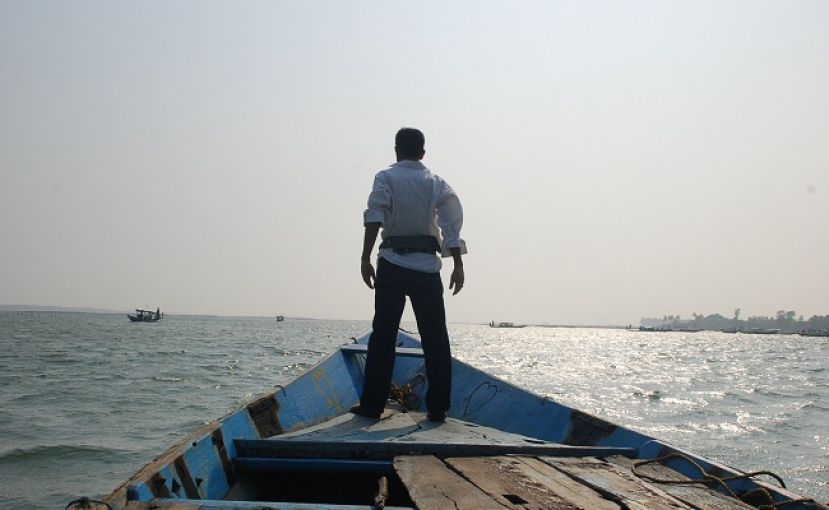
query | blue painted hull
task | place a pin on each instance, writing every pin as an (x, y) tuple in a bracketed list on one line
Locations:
[(207, 465)]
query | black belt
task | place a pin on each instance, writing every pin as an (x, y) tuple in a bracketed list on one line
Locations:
[(411, 244)]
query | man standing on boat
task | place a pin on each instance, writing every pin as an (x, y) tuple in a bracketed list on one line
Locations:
[(416, 209)]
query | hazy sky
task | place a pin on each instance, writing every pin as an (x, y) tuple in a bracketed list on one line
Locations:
[(614, 159)]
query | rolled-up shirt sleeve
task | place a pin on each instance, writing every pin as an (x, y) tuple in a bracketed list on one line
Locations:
[(379, 202), (450, 221)]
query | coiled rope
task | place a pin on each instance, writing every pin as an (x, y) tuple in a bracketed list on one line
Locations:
[(405, 394), (708, 478)]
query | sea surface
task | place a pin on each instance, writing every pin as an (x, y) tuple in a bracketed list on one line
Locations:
[(86, 400)]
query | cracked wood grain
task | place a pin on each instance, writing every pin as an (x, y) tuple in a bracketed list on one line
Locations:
[(433, 486)]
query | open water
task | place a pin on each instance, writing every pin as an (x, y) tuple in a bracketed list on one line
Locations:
[(86, 400)]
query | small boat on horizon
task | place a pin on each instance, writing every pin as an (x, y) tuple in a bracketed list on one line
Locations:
[(814, 332), (297, 446), (761, 331), (146, 315), (494, 324), (666, 329)]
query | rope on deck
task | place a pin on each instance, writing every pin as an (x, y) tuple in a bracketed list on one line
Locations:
[(405, 394), (708, 478)]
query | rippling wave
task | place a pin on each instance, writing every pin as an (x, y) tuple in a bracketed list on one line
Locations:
[(59, 452)]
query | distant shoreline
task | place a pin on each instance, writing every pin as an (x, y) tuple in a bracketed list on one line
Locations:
[(105, 311)]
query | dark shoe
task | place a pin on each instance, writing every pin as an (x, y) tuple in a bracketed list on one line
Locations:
[(436, 416), (368, 413)]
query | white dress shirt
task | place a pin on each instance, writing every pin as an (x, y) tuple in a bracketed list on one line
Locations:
[(408, 199)]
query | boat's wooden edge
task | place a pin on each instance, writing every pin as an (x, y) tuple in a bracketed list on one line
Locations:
[(266, 426), (117, 499)]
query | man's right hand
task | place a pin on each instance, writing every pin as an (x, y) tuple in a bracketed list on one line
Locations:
[(457, 279), (367, 271)]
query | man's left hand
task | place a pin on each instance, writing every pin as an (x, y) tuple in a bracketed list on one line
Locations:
[(367, 271)]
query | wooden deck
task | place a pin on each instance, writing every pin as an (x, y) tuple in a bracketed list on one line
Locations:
[(477, 483), (450, 467), (511, 482)]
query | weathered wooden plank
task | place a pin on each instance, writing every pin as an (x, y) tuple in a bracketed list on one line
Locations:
[(513, 483), (566, 487), (696, 495), (615, 484), (390, 449), (433, 486)]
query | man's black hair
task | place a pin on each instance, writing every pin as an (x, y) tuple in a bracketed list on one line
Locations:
[(409, 143)]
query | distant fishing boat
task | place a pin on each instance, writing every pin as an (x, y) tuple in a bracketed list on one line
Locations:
[(297, 447), (762, 331), (280, 318), (494, 324), (814, 332), (146, 315)]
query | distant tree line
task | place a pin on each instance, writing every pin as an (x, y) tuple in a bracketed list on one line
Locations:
[(787, 321)]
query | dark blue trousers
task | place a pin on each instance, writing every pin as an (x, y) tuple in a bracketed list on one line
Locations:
[(425, 291)]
